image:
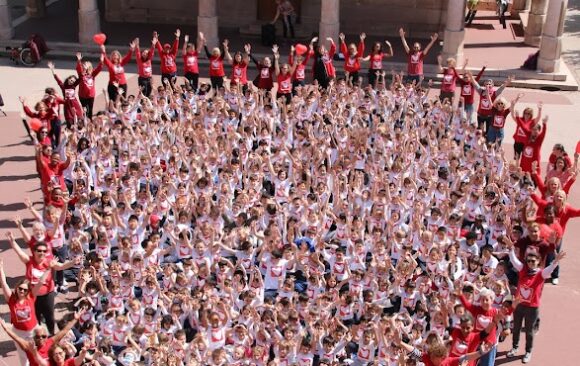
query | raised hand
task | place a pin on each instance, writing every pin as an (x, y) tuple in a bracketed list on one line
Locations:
[(79, 56), (50, 65), (133, 44), (341, 37), (292, 49), (186, 38), (225, 43), (22, 100), (401, 32), (275, 48), (178, 33), (560, 256), (434, 37), (314, 40), (329, 39), (363, 35), (248, 48)]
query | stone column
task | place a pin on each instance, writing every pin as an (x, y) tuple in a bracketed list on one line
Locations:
[(89, 20), (6, 29), (551, 45), (521, 6), (329, 20), (207, 22), (533, 31), (454, 34), (36, 8)]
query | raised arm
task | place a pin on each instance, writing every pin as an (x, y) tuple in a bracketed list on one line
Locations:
[(434, 37), (24, 258), (404, 40), (5, 288)]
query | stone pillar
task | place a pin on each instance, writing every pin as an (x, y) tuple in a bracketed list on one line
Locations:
[(207, 22), (329, 20), (551, 45), (454, 34), (36, 8), (6, 29), (521, 6), (533, 31), (89, 20)]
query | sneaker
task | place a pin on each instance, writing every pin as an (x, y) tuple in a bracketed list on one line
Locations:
[(512, 353), (63, 289), (555, 281), (527, 357)]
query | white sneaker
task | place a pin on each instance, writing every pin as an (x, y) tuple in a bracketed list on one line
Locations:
[(527, 357), (555, 281), (512, 353)]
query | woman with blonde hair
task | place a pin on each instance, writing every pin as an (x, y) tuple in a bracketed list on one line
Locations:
[(115, 64)]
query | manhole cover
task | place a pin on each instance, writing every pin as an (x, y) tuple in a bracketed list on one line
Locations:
[(550, 88)]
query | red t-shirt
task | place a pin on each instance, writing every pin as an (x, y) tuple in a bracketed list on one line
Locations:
[(376, 61), (42, 352), (415, 63), (449, 80), (144, 67), (523, 128), (240, 73), (284, 83), (532, 152), (265, 80), (498, 118), (485, 108), (216, 66), (352, 63), (300, 71), (34, 272), (117, 71), (87, 81), (464, 344), (530, 287), (190, 62), (168, 65), (482, 318), (22, 314)]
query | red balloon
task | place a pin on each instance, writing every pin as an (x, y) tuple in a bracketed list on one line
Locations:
[(100, 38), (578, 148), (35, 124), (300, 49)]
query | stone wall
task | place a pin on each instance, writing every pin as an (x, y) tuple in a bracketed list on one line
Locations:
[(376, 17), (232, 13)]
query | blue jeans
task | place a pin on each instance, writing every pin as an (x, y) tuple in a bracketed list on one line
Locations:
[(494, 134), (489, 358)]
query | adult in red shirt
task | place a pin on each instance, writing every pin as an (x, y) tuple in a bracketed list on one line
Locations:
[(524, 123), (73, 110), (485, 108), (467, 91), (533, 243), (376, 60), (352, 57), (299, 75), (531, 153), (551, 231), (499, 113), (39, 353), (265, 78), (529, 292), (21, 304), (216, 64), (168, 54), (45, 115), (466, 340), (190, 55), (284, 79), (239, 64), (115, 64), (484, 314), (449, 79), (416, 56), (87, 76), (564, 211), (144, 67), (36, 266), (51, 172), (323, 69)]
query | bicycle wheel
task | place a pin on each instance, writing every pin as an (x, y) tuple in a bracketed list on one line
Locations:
[(26, 57)]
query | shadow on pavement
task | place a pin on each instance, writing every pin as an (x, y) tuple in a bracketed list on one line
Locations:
[(15, 178)]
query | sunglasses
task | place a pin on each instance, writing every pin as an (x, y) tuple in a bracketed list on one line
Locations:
[(40, 251), (41, 336), (531, 261), (23, 289)]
